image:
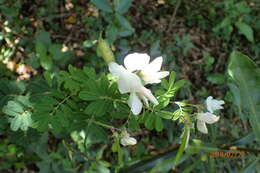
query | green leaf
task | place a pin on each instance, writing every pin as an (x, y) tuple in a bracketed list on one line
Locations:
[(48, 77), (133, 124), (165, 115), (22, 121), (102, 5), (13, 108), (149, 121), (216, 78), (43, 37), (121, 6), (111, 33), (98, 108), (55, 50), (125, 27), (245, 74), (46, 62), (95, 134), (88, 95), (246, 30), (172, 79), (158, 123), (41, 49), (179, 84)]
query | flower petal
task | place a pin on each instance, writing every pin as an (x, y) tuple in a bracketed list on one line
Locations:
[(208, 117), (213, 104), (162, 74), (150, 79), (135, 104), (116, 69), (148, 94), (145, 100), (123, 86), (154, 66), (153, 77), (201, 126), (136, 61), (127, 81), (128, 141)]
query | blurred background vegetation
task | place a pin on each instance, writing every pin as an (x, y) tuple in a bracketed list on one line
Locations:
[(38, 38)]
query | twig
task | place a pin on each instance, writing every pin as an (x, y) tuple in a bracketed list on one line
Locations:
[(173, 16)]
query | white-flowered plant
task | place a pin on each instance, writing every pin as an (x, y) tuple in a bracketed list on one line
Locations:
[(126, 139), (136, 72), (130, 83), (209, 117), (149, 72)]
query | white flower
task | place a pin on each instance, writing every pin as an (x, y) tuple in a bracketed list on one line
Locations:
[(127, 140), (150, 73), (203, 118), (213, 104), (130, 83)]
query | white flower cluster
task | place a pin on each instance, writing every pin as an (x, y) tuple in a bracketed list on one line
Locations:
[(130, 77), (209, 117), (137, 71)]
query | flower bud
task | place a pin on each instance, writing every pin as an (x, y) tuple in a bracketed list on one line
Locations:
[(105, 51)]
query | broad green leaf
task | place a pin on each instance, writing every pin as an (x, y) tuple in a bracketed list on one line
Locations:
[(55, 50), (245, 74), (22, 121), (125, 27), (41, 49), (102, 5), (43, 37), (46, 62), (13, 108), (246, 30), (121, 6), (216, 78), (111, 33), (21, 118)]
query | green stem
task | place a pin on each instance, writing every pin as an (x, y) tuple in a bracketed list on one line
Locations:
[(104, 125), (184, 142)]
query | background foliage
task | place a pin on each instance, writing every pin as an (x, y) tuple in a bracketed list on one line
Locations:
[(61, 112)]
